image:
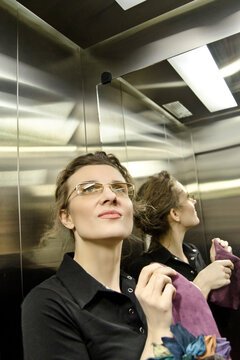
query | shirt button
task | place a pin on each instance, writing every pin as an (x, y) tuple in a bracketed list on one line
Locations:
[(141, 329), (192, 272), (129, 277), (175, 258), (192, 258), (131, 311), (194, 250), (130, 290)]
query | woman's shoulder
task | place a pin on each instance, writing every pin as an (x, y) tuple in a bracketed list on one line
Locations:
[(135, 266), (50, 291)]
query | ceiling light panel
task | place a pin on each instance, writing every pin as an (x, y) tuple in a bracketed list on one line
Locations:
[(200, 72), (127, 4)]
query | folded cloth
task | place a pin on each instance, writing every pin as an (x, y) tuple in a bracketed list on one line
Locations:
[(174, 347), (197, 347), (159, 351), (210, 343), (227, 296), (191, 308), (185, 346), (223, 348)]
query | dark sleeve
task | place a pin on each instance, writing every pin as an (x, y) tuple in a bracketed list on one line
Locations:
[(49, 332)]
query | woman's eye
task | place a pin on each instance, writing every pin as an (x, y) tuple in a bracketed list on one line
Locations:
[(90, 189), (120, 188)]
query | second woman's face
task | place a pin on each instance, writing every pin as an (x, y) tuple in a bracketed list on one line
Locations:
[(102, 215), (187, 212)]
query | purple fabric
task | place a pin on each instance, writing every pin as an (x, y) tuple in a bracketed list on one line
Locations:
[(191, 308), (223, 348), (227, 296)]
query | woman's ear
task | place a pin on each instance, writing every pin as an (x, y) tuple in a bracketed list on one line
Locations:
[(66, 219), (175, 215)]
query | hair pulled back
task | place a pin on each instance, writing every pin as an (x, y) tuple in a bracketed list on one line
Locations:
[(158, 195)]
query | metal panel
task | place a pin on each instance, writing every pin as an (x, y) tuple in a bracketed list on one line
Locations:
[(10, 260), (217, 148), (128, 118), (51, 131)]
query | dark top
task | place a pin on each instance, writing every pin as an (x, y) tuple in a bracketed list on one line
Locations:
[(162, 255), (71, 316)]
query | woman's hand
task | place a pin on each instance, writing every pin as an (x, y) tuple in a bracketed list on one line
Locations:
[(155, 292), (214, 276), (223, 243)]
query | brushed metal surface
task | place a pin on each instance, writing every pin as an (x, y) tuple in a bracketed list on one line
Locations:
[(53, 107)]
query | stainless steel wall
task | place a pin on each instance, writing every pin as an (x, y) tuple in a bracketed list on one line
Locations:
[(50, 106), (42, 127), (146, 139)]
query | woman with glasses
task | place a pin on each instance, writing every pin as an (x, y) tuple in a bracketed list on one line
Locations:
[(168, 213), (90, 309)]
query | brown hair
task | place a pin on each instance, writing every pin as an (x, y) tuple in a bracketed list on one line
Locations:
[(61, 193), (158, 195)]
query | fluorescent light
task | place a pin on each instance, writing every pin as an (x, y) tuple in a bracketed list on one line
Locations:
[(127, 4), (199, 70), (214, 186), (163, 85)]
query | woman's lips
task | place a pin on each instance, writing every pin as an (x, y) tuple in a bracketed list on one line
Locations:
[(110, 214)]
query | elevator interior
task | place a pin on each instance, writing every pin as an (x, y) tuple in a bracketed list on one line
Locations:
[(53, 107)]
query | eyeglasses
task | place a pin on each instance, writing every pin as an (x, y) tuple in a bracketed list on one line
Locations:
[(90, 188)]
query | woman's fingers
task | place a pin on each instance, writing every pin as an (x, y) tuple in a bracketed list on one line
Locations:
[(226, 263), (149, 270), (157, 283), (221, 242), (169, 293), (152, 288), (224, 244)]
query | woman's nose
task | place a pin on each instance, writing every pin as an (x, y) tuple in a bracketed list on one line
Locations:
[(108, 194)]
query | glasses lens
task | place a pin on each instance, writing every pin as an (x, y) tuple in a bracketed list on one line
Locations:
[(118, 188), (89, 188), (122, 188)]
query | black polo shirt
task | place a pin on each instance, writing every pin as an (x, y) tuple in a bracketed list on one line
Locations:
[(163, 256), (71, 316)]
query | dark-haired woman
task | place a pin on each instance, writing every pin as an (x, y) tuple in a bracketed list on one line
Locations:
[(168, 212), (89, 309)]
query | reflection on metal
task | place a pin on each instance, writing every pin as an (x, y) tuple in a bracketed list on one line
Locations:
[(41, 129), (140, 132)]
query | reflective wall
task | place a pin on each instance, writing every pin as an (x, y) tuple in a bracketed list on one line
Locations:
[(147, 139), (42, 127), (50, 109)]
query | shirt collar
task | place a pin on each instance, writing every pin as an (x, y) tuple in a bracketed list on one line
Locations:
[(162, 255), (81, 285)]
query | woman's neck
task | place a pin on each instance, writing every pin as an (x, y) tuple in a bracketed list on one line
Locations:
[(173, 241), (101, 260)]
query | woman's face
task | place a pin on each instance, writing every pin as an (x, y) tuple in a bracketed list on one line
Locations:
[(187, 212), (98, 216)]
